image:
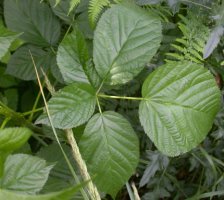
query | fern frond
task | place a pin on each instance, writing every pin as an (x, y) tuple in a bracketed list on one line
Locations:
[(95, 8), (73, 4), (191, 45)]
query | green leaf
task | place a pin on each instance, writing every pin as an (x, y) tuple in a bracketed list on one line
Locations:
[(25, 173), (92, 74), (71, 106), (61, 195), (181, 101), (60, 176), (72, 55), (21, 66), (36, 20), (61, 10), (111, 150), (126, 38), (12, 139), (6, 39)]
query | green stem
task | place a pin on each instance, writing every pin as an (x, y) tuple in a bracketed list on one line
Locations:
[(34, 106), (18, 118), (5, 122), (98, 103), (32, 111), (121, 97)]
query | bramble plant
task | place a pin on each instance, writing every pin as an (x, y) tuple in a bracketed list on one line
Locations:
[(92, 61)]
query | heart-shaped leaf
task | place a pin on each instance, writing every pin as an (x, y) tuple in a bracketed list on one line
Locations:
[(181, 101)]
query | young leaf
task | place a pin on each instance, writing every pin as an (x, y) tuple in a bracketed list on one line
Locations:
[(36, 20), (12, 139), (181, 101), (25, 173), (6, 39), (72, 56), (111, 150), (61, 195), (126, 38), (71, 106)]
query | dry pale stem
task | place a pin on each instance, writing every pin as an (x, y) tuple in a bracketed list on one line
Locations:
[(135, 191), (82, 165)]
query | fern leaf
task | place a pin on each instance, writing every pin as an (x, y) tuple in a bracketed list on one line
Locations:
[(182, 41), (191, 45), (175, 55), (73, 4), (95, 8)]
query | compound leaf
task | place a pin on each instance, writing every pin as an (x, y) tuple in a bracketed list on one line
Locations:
[(111, 150), (181, 101)]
